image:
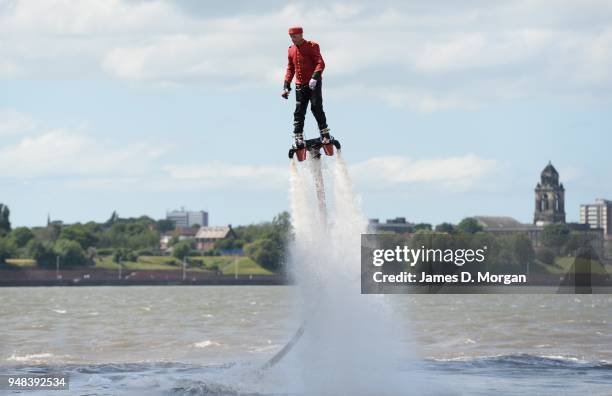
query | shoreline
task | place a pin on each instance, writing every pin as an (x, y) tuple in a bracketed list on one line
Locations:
[(104, 277)]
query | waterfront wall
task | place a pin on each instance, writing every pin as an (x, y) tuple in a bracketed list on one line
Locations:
[(92, 277)]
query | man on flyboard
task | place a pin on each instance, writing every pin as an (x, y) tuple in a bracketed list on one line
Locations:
[(306, 64)]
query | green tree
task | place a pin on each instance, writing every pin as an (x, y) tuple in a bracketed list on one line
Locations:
[(266, 252), (21, 236), (545, 255), (256, 238), (8, 249), (445, 227), (5, 223), (165, 225), (174, 240), (50, 233), (133, 233), (575, 241), (41, 252), (282, 222), (505, 260), (422, 226), (182, 249), (278, 228), (80, 234), (70, 252), (147, 239), (469, 225), (486, 241), (514, 252), (229, 244), (523, 249), (123, 254), (118, 255), (554, 236)]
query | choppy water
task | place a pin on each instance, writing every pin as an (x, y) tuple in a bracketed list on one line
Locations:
[(211, 340)]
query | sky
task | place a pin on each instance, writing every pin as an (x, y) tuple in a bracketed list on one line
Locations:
[(444, 109)]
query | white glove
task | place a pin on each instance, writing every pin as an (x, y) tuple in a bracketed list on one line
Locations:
[(312, 84)]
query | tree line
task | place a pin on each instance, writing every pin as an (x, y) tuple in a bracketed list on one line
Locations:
[(125, 239)]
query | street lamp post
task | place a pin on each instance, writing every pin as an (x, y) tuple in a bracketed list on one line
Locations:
[(57, 264)]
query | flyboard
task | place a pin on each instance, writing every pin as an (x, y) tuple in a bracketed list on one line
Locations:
[(311, 148)]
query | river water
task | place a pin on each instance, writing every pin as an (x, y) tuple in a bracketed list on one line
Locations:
[(212, 340)]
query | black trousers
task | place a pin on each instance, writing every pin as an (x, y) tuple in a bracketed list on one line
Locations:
[(303, 95)]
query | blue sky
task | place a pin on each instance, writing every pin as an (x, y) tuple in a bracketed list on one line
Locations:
[(444, 111)]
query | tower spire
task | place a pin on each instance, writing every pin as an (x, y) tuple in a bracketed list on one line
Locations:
[(549, 198)]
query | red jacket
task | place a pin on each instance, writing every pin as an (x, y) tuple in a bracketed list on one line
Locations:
[(304, 62)]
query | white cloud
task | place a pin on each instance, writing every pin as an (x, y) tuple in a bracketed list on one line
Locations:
[(483, 50), (60, 153), (428, 57), (14, 123), (187, 58), (448, 174), (225, 174), (102, 17), (81, 160), (87, 163), (459, 173)]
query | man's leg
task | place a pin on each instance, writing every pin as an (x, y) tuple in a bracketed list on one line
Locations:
[(316, 106), (301, 104)]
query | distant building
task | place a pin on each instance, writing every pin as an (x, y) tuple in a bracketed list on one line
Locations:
[(509, 225), (549, 198), (598, 215), (398, 225), (204, 237), (164, 242), (183, 218), (182, 233), (207, 236), (53, 222)]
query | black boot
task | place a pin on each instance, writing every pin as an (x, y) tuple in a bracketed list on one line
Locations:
[(325, 136), (299, 140)]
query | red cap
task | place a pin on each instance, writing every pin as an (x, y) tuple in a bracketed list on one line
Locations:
[(296, 30)]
